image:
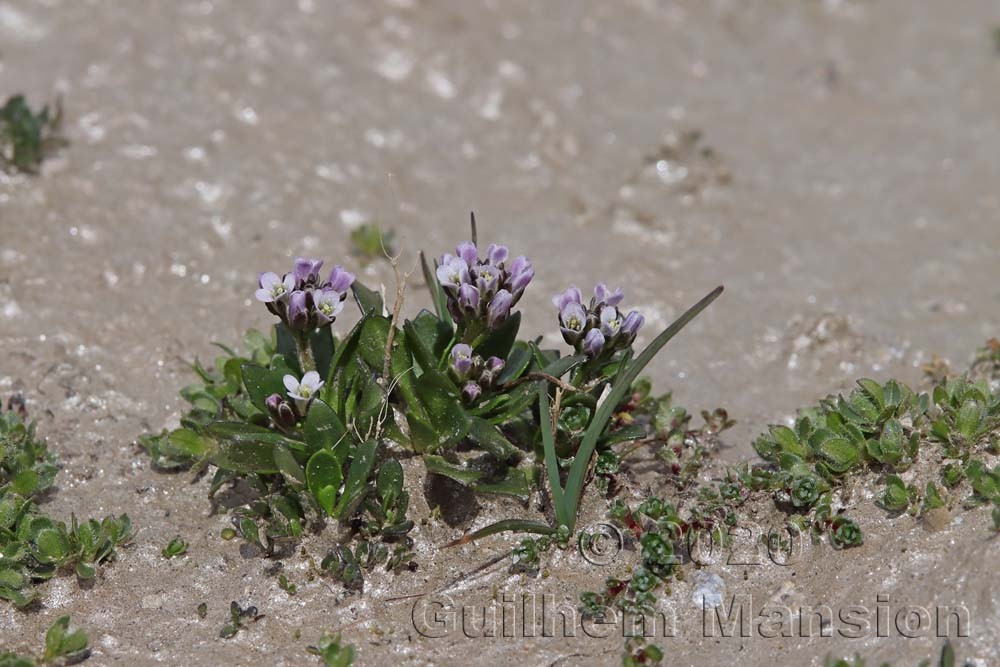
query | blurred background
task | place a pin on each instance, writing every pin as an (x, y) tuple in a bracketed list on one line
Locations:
[(835, 164)]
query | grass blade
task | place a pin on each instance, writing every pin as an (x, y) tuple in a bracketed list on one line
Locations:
[(574, 484), (507, 525), (437, 294), (549, 445)]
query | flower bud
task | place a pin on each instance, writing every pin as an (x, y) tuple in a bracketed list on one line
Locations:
[(340, 280), (471, 391), (307, 271), (491, 371), (298, 310), (593, 344), (631, 324), (468, 299), (280, 410), (499, 309), (461, 361), (467, 251)]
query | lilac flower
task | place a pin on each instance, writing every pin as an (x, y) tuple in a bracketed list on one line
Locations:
[(340, 280), (461, 361), (471, 391), (631, 324), (303, 391), (453, 273), (328, 304), (301, 299), (298, 310), (273, 288), (498, 309), (281, 410), (467, 251), (487, 279), (611, 321), (307, 270), (603, 295), (497, 254), (572, 320), (468, 299), (593, 343), (572, 295), (481, 291), (598, 328), (519, 279)]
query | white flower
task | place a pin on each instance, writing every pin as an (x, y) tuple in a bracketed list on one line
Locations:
[(273, 288), (303, 391)]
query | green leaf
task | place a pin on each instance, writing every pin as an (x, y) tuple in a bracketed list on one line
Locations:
[(874, 391), (515, 483), (389, 482), (54, 637), (428, 339), (499, 342), (322, 346), (446, 418), (434, 287), (439, 466), (551, 460), (840, 454), (369, 301), (507, 525), (517, 362), (968, 419), (260, 383), (371, 345), (491, 439), (324, 477), (622, 384), (323, 429), (53, 547), (288, 348), (787, 441), (287, 463), (357, 478), (246, 448), (189, 443), (563, 365), (624, 434)]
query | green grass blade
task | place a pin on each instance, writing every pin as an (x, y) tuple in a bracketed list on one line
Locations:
[(574, 484), (507, 525), (549, 445), (437, 294)]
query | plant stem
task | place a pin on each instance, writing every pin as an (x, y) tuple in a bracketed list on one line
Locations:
[(306, 360)]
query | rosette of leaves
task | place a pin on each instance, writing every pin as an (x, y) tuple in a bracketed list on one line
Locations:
[(844, 434), (35, 547), (967, 413), (26, 136)]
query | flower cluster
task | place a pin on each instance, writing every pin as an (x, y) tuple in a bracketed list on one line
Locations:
[(481, 292), (472, 373), (598, 327), (301, 299)]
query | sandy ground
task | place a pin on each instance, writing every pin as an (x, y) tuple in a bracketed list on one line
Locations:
[(842, 186)]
